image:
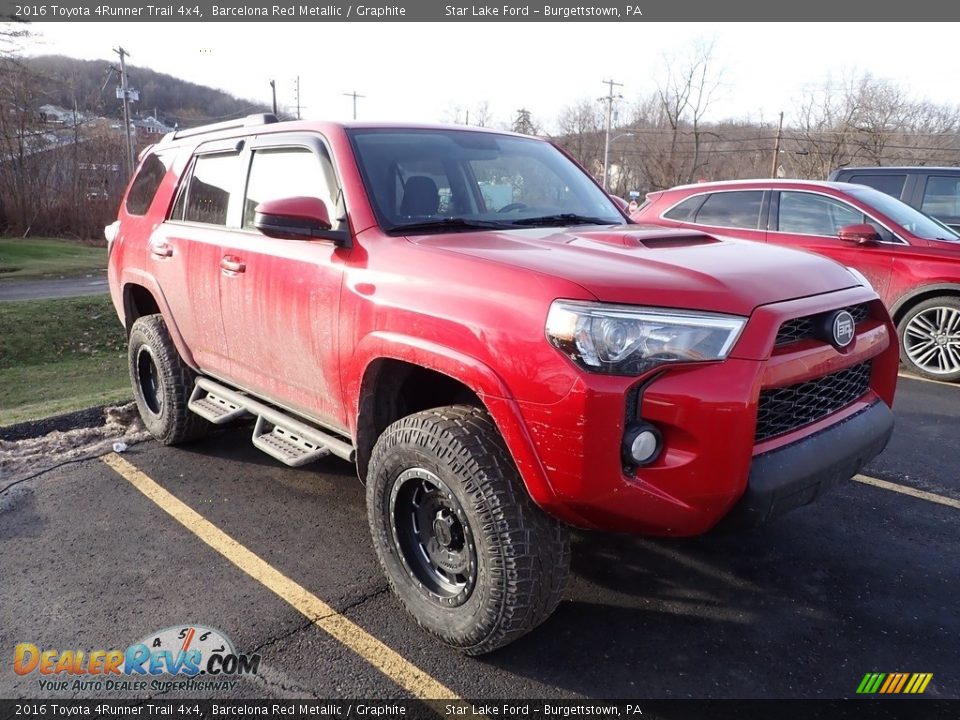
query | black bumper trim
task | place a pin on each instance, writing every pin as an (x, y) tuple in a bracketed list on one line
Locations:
[(797, 474)]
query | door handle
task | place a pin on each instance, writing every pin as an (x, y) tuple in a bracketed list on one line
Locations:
[(161, 249), (231, 263)]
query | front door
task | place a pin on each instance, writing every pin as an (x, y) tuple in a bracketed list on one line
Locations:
[(280, 299), (811, 221)]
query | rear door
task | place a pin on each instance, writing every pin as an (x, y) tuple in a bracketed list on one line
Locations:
[(184, 251), (281, 298)]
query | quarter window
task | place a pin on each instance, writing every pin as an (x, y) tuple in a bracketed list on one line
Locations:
[(809, 214), (290, 172), (684, 211), (739, 209), (146, 184)]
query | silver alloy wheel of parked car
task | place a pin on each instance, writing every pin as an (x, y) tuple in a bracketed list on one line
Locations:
[(930, 337)]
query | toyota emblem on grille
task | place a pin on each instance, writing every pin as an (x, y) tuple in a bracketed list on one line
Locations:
[(842, 327)]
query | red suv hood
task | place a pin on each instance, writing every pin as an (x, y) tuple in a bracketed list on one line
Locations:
[(657, 266)]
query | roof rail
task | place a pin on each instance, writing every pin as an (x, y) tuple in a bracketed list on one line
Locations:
[(248, 121)]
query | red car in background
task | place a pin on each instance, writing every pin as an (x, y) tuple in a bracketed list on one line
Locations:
[(912, 260)]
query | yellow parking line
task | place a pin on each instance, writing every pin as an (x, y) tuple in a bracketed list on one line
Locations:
[(912, 492), (927, 380), (405, 674)]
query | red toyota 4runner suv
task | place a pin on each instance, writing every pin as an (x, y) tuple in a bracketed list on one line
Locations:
[(469, 318)]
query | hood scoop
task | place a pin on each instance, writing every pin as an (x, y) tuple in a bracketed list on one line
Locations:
[(661, 239)]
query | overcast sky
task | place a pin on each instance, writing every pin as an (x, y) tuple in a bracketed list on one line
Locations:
[(421, 71)]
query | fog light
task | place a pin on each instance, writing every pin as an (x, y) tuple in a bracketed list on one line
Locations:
[(641, 444)]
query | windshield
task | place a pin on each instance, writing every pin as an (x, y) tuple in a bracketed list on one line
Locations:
[(461, 180), (913, 221)]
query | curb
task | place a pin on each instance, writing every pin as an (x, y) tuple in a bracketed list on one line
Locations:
[(86, 418)]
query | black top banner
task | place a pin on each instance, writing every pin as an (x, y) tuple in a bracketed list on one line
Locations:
[(857, 11)]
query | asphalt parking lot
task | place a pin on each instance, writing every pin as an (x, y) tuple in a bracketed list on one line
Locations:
[(280, 561)]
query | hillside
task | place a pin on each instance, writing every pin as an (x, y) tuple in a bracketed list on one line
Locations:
[(176, 101)]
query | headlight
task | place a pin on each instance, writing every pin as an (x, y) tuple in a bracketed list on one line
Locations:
[(629, 340), (861, 278)]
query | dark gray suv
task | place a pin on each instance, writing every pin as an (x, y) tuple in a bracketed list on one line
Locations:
[(932, 190)]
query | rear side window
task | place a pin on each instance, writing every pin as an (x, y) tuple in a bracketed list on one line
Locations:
[(739, 209), (146, 184), (205, 196), (889, 184)]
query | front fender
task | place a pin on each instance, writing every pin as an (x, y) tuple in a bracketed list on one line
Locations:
[(471, 372)]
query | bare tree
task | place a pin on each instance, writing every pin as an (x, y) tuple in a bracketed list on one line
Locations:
[(870, 121), (483, 116), (684, 97), (582, 127)]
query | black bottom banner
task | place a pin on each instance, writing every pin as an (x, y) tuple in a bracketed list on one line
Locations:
[(513, 709)]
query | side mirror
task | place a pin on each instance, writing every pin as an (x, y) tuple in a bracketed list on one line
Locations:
[(859, 233), (296, 218)]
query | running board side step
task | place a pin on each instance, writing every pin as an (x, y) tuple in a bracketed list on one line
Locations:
[(213, 407), (281, 436)]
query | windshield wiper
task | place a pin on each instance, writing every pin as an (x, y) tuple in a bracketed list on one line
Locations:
[(452, 224), (562, 219)]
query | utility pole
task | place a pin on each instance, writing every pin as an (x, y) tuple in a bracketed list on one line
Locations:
[(298, 97), (776, 148), (606, 146), (125, 89), (354, 96), (273, 90)]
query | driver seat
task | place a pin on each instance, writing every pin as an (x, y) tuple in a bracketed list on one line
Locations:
[(420, 196)]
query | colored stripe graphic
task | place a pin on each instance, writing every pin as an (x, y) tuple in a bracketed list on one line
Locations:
[(891, 680), (894, 683), (875, 685), (867, 679)]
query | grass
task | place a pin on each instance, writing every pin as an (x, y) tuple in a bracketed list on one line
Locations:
[(60, 355), (39, 257)]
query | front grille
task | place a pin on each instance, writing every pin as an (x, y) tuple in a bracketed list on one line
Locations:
[(803, 328), (784, 409)]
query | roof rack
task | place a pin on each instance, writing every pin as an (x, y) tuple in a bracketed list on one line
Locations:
[(248, 121)]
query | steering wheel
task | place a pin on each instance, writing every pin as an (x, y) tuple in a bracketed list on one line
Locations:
[(513, 207)]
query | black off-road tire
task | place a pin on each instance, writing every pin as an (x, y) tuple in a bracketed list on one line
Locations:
[(929, 336), (521, 555), (162, 383)]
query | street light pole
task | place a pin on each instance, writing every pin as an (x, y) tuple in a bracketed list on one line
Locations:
[(611, 141), (606, 147)]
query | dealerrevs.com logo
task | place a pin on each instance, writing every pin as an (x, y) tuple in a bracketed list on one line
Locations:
[(197, 657)]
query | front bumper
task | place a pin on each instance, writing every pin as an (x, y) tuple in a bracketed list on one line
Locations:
[(797, 474), (713, 461)]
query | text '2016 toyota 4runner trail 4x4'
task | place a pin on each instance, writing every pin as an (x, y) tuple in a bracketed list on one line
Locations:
[(470, 319)]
